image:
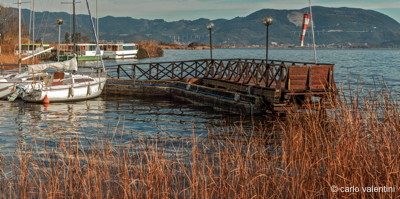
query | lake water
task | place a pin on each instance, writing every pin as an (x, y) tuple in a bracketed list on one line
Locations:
[(354, 66), (128, 118)]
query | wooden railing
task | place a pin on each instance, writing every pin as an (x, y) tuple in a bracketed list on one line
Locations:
[(283, 75)]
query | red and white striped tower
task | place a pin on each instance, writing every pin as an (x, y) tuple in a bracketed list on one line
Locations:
[(306, 21)]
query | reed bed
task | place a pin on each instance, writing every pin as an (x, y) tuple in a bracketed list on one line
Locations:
[(149, 49), (307, 155), (9, 61)]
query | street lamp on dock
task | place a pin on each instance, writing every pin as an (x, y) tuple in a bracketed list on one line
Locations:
[(59, 22), (210, 26), (267, 22)]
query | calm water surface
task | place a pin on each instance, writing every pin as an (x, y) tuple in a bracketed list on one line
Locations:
[(161, 118)]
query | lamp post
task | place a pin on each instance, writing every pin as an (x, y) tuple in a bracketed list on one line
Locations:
[(59, 22), (267, 22), (210, 26)]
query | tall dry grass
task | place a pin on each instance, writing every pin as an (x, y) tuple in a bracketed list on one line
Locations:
[(149, 49), (304, 156)]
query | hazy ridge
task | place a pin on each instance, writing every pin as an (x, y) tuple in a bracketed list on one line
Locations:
[(334, 26)]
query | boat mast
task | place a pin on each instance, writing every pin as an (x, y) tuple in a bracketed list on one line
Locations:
[(98, 51), (33, 28), (30, 28), (313, 35), (19, 36), (33, 21), (97, 20), (73, 26), (73, 23)]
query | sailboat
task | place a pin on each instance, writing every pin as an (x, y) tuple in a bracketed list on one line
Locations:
[(10, 82), (65, 84)]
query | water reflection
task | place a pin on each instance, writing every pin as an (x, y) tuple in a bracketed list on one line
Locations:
[(127, 118), (102, 118)]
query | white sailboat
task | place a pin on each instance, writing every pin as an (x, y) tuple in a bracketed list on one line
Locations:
[(61, 86), (10, 82), (64, 84)]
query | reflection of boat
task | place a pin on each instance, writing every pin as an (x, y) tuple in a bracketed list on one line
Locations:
[(69, 113), (62, 120), (65, 86), (87, 52)]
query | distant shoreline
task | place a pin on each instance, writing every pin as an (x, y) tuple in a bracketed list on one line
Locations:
[(181, 47)]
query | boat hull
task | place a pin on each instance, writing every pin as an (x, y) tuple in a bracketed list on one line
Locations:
[(76, 92), (6, 89), (79, 58)]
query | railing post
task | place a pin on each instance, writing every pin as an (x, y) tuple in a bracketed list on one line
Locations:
[(181, 70), (134, 72), (118, 69), (196, 69), (157, 71), (266, 73)]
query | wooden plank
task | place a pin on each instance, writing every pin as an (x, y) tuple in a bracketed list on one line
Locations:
[(297, 87), (298, 77), (298, 82)]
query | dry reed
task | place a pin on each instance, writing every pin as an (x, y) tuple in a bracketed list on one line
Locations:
[(307, 155), (149, 49)]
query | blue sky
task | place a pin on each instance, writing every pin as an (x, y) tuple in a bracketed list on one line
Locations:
[(172, 10)]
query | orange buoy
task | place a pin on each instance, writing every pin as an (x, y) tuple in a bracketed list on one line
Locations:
[(46, 100)]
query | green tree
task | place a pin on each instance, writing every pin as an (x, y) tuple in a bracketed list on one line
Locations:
[(77, 37), (67, 38)]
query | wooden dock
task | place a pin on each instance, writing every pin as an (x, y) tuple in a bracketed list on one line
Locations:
[(241, 86)]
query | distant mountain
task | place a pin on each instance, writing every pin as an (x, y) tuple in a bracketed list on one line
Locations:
[(339, 26)]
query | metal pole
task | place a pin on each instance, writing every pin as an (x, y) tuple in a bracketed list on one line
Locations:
[(30, 28), (59, 40), (211, 45), (97, 20), (19, 35), (267, 22), (73, 26), (266, 46), (313, 35), (33, 21), (33, 27)]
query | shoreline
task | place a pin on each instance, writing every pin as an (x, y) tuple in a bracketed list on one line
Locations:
[(173, 47)]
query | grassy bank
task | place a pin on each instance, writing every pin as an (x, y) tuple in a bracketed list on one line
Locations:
[(307, 155)]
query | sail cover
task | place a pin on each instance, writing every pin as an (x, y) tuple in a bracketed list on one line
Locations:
[(71, 64)]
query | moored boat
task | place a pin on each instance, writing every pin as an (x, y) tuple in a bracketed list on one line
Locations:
[(61, 86), (11, 82), (119, 50), (84, 52), (87, 51)]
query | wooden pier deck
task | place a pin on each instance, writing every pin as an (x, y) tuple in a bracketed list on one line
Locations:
[(252, 85)]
